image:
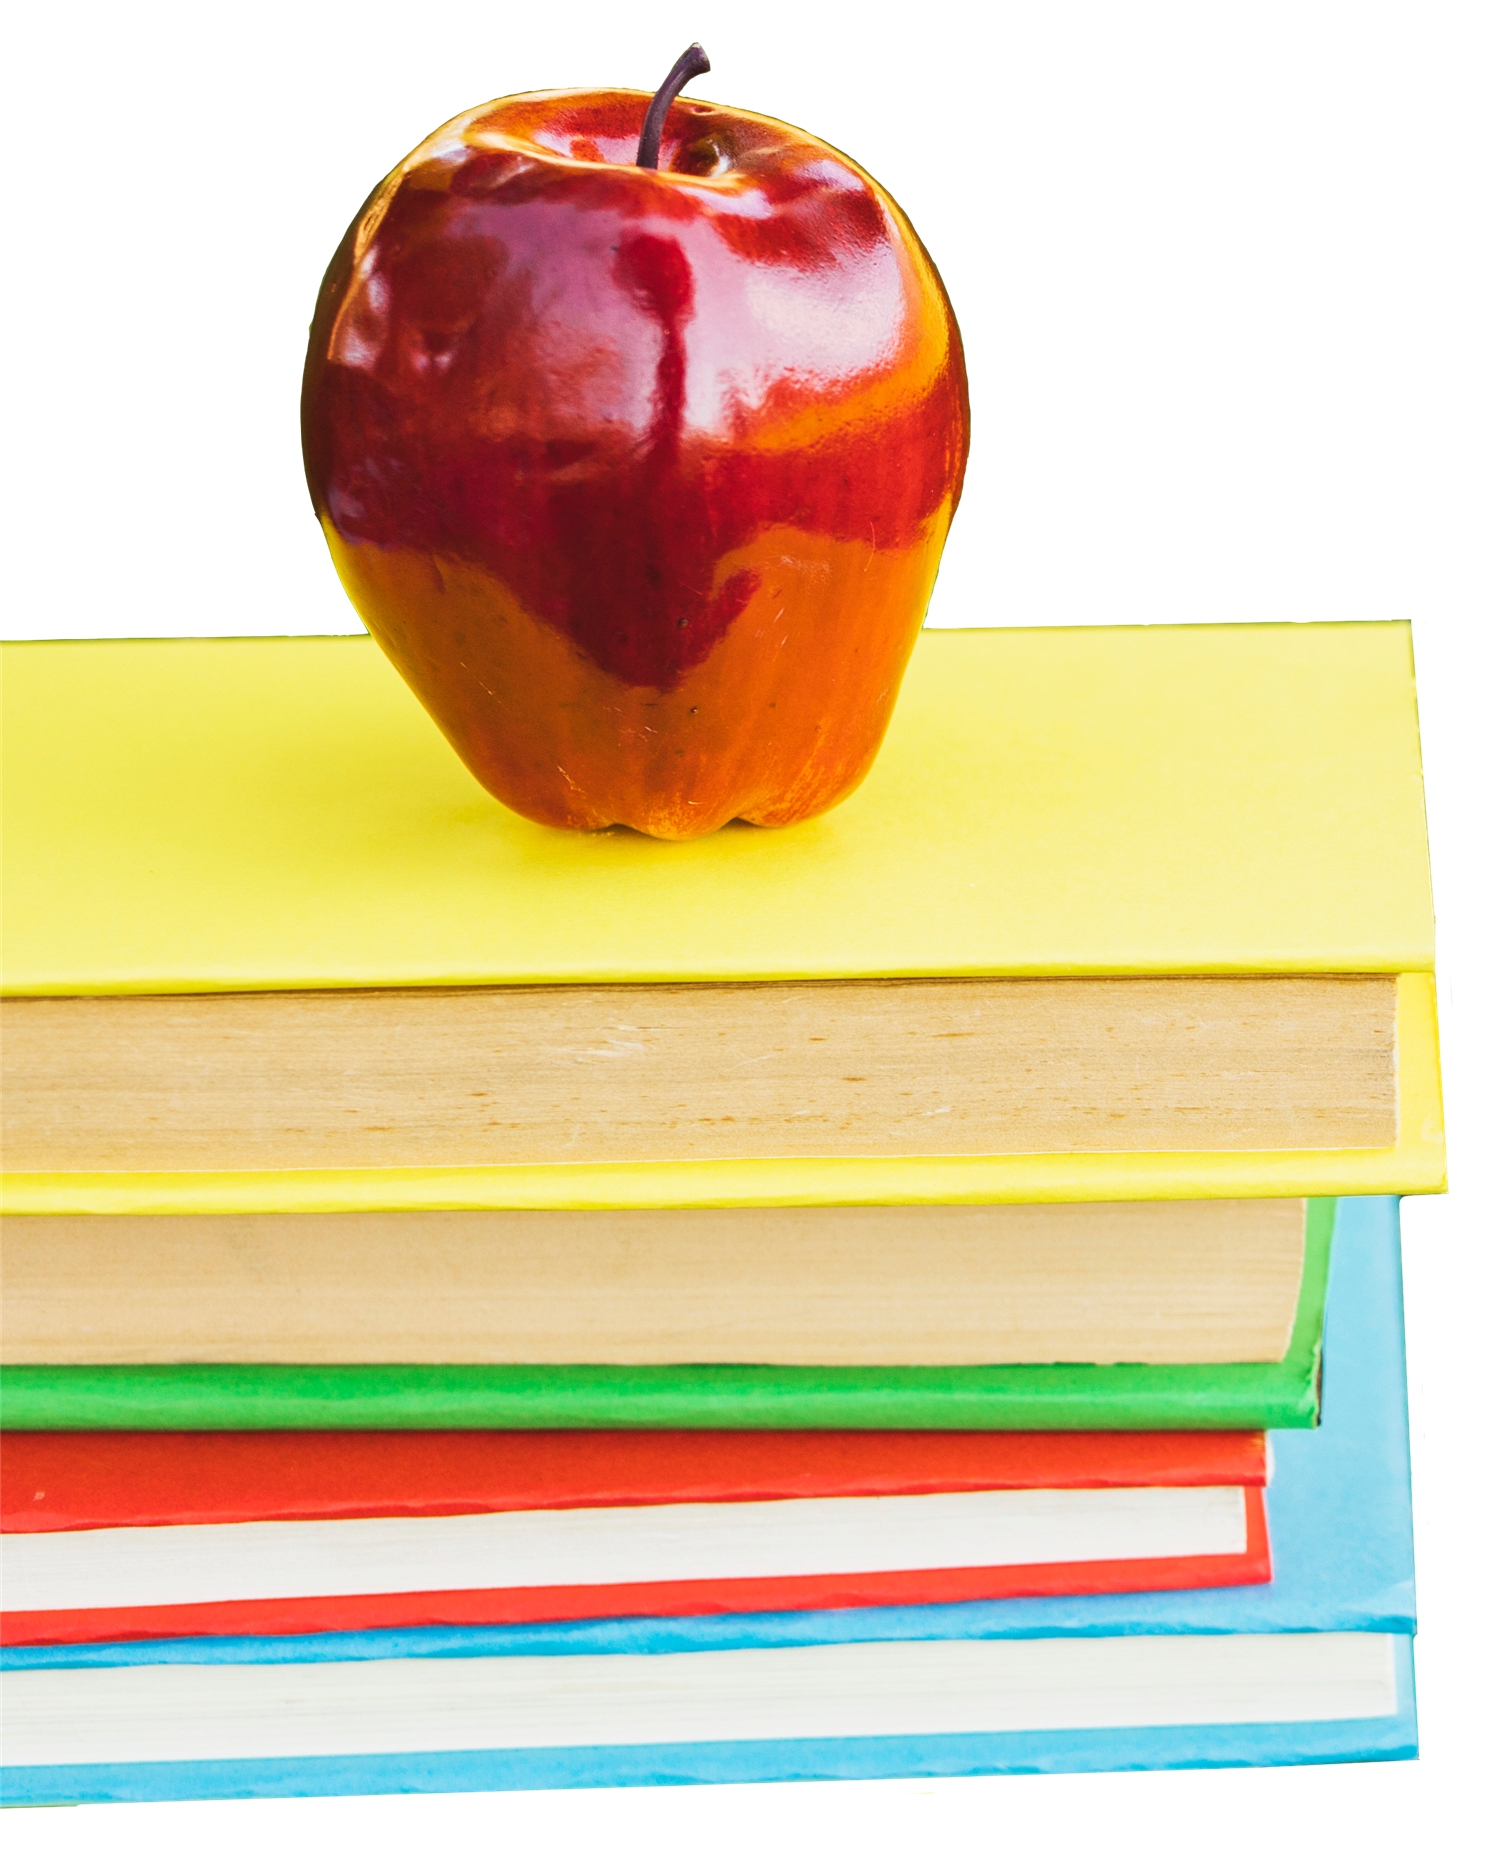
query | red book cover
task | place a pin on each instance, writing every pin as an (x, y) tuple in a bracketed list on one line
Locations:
[(578, 1525), (77, 1482)]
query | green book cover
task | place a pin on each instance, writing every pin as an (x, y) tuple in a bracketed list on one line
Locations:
[(1134, 1396)]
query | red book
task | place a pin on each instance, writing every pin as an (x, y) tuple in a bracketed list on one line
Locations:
[(116, 1537)]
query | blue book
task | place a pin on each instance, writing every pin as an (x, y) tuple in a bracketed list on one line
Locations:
[(1314, 1667)]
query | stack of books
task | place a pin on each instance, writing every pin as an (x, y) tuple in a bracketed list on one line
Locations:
[(494, 1307)]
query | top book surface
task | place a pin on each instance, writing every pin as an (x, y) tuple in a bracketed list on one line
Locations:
[(276, 813)]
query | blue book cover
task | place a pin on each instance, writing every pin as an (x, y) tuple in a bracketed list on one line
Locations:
[(1340, 1517)]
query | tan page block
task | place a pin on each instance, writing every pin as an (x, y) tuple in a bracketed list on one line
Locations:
[(1143, 1281), (814, 1069)]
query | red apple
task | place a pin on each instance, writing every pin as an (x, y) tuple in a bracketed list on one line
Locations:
[(639, 475)]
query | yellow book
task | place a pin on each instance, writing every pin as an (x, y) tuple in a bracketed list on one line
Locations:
[(1111, 861)]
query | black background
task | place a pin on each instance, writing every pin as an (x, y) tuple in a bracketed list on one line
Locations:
[(1172, 361)]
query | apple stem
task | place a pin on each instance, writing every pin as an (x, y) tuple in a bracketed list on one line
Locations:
[(692, 64)]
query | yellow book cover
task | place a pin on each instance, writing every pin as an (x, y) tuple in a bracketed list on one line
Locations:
[(230, 815)]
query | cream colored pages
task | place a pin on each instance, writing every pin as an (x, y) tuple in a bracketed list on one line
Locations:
[(513, 1076), (303, 1709), (1416, 1165), (583, 1546), (1105, 1282)]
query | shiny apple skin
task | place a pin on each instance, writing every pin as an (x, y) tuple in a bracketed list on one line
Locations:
[(640, 477)]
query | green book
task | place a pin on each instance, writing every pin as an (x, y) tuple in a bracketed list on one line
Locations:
[(1133, 1396)]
